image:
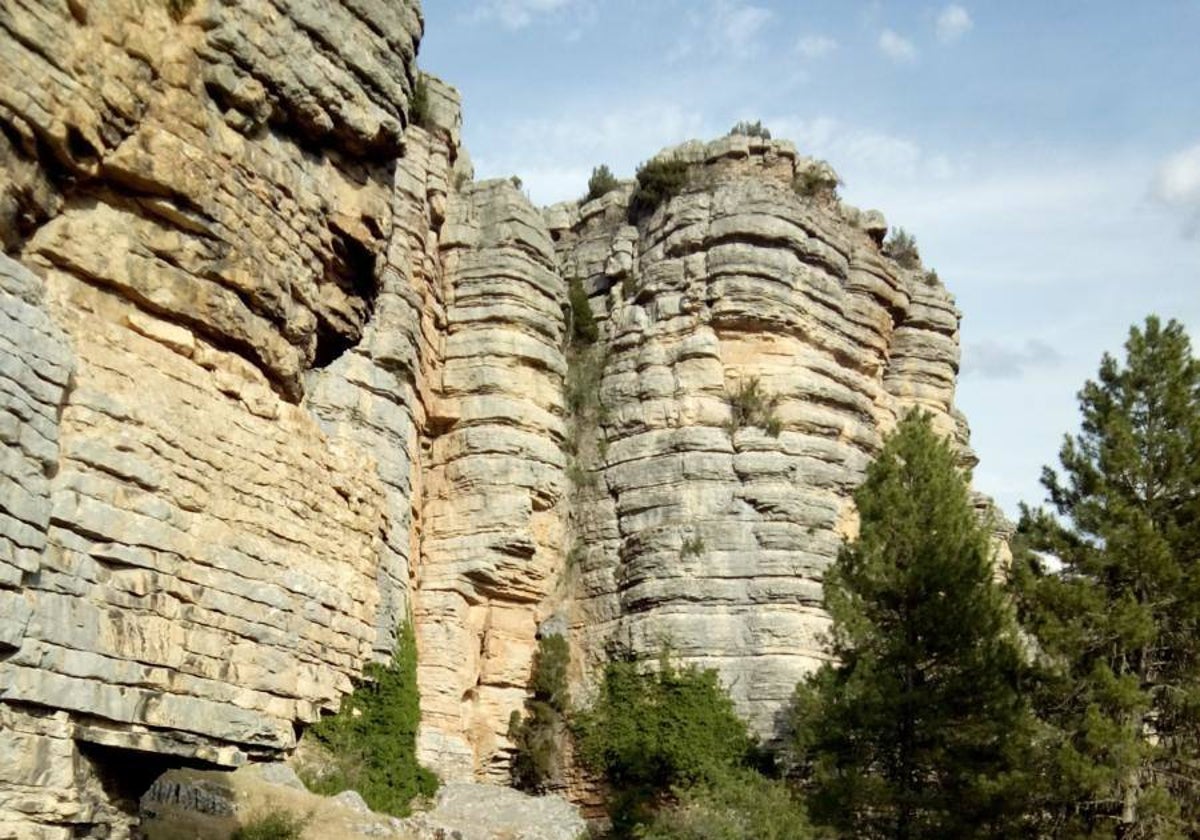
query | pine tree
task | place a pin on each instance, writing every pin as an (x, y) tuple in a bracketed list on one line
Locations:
[(1119, 624), (919, 728)]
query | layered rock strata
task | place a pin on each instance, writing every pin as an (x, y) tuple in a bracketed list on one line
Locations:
[(192, 565), (279, 376), (697, 534)]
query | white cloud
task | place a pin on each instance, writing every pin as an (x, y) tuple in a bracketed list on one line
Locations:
[(725, 29), (816, 46), (515, 14), (897, 47), (952, 23), (1177, 185), (992, 359), (554, 153), (857, 149), (738, 24)]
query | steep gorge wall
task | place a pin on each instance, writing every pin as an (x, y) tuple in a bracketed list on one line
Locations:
[(708, 539), (192, 212), (278, 376)]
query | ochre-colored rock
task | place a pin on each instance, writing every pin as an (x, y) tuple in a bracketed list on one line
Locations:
[(278, 376)]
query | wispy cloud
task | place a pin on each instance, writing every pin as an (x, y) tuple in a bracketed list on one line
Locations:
[(896, 47), (515, 14), (994, 360), (815, 46), (858, 148), (952, 23), (1177, 185), (728, 29), (738, 24), (554, 153)]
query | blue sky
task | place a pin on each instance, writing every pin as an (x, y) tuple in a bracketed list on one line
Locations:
[(1045, 154)]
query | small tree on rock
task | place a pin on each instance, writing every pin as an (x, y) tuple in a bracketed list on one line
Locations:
[(602, 182)]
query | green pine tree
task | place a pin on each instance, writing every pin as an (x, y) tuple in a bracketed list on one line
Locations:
[(1119, 625), (919, 729)]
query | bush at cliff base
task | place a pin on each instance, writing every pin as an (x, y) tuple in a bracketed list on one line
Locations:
[(373, 738)]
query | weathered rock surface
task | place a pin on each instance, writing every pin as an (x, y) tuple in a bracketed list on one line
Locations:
[(189, 803), (278, 376), (189, 565), (709, 538), (483, 812), (492, 538)]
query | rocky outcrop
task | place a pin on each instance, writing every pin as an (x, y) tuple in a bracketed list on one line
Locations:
[(189, 803), (492, 537), (192, 565), (698, 533), (280, 376)]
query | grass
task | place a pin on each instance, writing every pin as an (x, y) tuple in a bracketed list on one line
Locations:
[(273, 825)]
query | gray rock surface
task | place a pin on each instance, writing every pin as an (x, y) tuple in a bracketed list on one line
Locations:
[(710, 539), (278, 375), (483, 812)]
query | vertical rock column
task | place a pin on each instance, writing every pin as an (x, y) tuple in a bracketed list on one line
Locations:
[(701, 534), (491, 540)]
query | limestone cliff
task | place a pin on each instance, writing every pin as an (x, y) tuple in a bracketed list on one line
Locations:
[(279, 375)]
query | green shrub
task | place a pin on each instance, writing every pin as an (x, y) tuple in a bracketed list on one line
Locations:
[(657, 182), (692, 547), (816, 181), (419, 111), (517, 182), (740, 805), (274, 825), (902, 247), (583, 323), (373, 737), (601, 182), (585, 369), (746, 128), (538, 736), (751, 405), (650, 731)]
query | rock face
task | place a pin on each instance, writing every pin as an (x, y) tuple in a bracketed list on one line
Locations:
[(701, 534), (278, 376), (190, 565)]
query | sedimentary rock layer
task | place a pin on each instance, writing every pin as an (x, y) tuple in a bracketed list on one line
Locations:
[(278, 376), (195, 211), (705, 536)]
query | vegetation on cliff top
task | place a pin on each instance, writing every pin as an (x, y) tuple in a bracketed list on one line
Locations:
[(658, 181), (602, 182), (902, 247), (745, 128)]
